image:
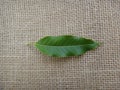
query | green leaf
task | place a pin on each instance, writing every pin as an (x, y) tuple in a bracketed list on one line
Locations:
[(65, 45)]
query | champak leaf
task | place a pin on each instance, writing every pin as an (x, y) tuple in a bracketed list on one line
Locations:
[(65, 45)]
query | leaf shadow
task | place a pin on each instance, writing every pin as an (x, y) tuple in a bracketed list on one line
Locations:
[(2, 84), (61, 59)]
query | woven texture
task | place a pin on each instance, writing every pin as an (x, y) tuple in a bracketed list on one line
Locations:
[(23, 67)]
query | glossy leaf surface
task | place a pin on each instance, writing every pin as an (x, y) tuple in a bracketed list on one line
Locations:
[(65, 45)]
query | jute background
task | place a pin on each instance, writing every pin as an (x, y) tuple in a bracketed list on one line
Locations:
[(23, 67)]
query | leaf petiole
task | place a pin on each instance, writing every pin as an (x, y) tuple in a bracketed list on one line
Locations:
[(31, 43)]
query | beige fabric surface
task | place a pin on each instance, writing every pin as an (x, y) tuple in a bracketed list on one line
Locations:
[(23, 67)]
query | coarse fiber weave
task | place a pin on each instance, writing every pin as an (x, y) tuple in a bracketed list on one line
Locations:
[(23, 67)]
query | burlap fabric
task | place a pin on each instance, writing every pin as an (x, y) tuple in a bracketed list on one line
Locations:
[(23, 67)]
